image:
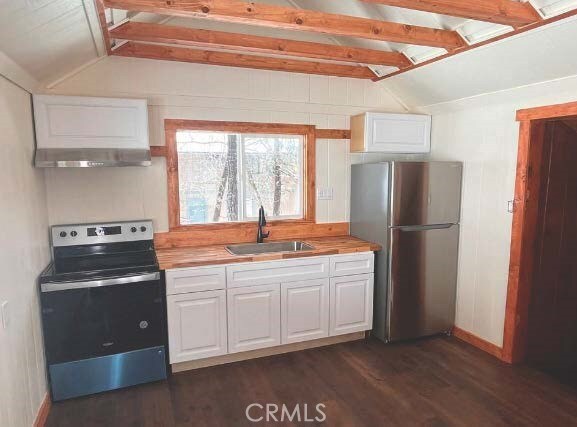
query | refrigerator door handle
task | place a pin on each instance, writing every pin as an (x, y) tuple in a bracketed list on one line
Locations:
[(422, 227)]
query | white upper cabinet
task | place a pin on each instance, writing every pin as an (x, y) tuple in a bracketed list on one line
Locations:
[(72, 122), (391, 133)]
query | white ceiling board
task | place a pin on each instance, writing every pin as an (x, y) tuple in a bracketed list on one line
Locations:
[(51, 38), (47, 38), (16, 74), (547, 53)]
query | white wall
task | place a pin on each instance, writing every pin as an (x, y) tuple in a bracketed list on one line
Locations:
[(189, 91), (24, 243), (482, 132)]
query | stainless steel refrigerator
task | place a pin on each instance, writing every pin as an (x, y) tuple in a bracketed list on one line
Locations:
[(412, 209)]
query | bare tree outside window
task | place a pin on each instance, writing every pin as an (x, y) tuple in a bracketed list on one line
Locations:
[(226, 177)]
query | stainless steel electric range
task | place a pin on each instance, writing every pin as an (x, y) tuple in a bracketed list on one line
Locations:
[(103, 309)]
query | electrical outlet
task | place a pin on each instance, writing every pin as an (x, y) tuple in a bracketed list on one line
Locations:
[(325, 193), (5, 314)]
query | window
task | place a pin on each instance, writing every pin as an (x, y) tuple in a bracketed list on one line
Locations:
[(225, 171), (226, 177)]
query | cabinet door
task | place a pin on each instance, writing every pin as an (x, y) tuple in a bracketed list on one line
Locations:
[(398, 133), (88, 122), (197, 325), (351, 303), (304, 310), (253, 317)]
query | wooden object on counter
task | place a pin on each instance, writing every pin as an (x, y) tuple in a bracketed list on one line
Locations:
[(183, 257)]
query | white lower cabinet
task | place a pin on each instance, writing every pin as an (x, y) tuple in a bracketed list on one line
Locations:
[(213, 311), (196, 325), (253, 317), (351, 305), (304, 310)]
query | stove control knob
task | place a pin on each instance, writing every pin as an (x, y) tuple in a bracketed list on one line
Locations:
[(143, 228), (133, 229), (63, 234), (73, 233)]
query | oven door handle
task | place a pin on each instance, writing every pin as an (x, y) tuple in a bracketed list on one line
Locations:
[(63, 286)]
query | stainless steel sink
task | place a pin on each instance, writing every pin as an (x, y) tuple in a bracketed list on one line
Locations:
[(265, 248)]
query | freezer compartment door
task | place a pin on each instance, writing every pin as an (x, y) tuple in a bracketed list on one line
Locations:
[(426, 192), (423, 280)]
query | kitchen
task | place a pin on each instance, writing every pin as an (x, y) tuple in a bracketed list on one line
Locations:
[(471, 100)]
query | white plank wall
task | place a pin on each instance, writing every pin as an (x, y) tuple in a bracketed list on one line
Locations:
[(190, 91), (25, 253), (482, 132)]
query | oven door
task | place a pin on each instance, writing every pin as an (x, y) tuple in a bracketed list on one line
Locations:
[(96, 318)]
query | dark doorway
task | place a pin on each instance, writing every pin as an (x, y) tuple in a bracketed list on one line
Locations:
[(552, 316)]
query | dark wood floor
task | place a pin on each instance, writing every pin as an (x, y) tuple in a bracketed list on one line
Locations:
[(433, 382)]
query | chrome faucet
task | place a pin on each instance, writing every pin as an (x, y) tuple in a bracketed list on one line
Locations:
[(260, 236)]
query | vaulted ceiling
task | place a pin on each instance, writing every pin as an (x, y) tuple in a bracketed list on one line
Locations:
[(49, 38)]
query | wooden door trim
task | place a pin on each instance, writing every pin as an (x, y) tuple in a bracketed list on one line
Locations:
[(525, 220)]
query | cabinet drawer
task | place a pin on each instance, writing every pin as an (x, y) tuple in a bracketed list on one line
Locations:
[(346, 265), (262, 273), (184, 280)]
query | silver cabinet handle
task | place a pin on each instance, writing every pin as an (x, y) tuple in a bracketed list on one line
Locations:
[(63, 286)]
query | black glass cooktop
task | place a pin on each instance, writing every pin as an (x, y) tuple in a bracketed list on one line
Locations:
[(90, 262)]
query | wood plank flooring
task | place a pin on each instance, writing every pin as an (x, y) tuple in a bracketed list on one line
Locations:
[(432, 382)]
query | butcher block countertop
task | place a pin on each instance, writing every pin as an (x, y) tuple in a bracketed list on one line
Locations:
[(212, 255)]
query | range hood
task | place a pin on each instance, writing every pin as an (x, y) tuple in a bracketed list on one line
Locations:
[(74, 131)]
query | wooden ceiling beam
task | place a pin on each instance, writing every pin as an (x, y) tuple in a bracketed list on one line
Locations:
[(506, 12), (526, 28), (266, 15), (182, 54), (100, 10), (155, 33)]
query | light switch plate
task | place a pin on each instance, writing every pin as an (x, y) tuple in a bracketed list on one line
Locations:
[(325, 193), (5, 314)]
